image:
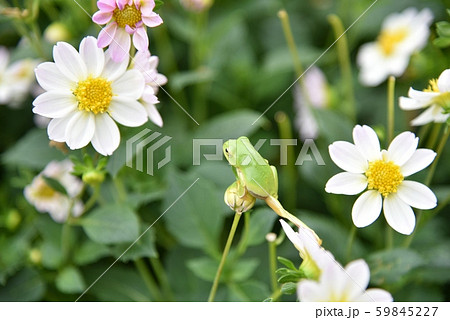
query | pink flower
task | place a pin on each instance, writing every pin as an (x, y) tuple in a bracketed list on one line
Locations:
[(125, 18)]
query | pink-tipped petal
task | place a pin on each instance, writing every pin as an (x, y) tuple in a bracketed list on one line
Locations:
[(120, 46), (152, 20), (140, 39), (101, 17), (106, 36)]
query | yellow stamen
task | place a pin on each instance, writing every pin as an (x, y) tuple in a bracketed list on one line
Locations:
[(384, 177), (128, 16), (432, 86), (389, 39), (443, 99), (43, 190), (94, 94)]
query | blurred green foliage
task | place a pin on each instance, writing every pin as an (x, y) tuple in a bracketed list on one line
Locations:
[(225, 68)]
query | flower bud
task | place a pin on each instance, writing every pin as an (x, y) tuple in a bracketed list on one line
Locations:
[(35, 256), (13, 220), (57, 31), (236, 203), (93, 177), (196, 5)]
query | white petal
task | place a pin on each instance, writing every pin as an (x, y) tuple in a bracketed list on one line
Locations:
[(402, 147), (422, 96), (69, 61), (130, 85), (153, 114), (120, 46), (80, 129), (55, 104), (420, 159), (311, 291), (366, 140), (412, 104), (93, 57), (444, 81), (432, 114), (127, 112), (346, 183), (57, 128), (375, 295), (113, 69), (359, 276), (398, 214), (50, 78), (292, 236), (417, 195), (106, 138), (347, 157), (367, 208)]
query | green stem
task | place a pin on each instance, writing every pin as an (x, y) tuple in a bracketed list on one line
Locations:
[(345, 64), (242, 246), (148, 279), (276, 294), (273, 264), (283, 16), (351, 240), (391, 110), (434, 135), (288, 170), (212, 294), (120, 188), (162, 278), (389, 237), (439, 150), (92, 200)]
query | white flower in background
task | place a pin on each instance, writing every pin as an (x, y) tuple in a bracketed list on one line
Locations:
[(315, 87), (434, 98), (315, 258), (147, 64), (382, 173), (338, 285), (16, 80), (196, 5), (401, 35), (85, 91), (46, 199)]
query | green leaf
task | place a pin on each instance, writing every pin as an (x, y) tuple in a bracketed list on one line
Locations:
[(205, 268), (230, 125), (248, 291), (143, 248), (120, 283), (288, 263), (289, 288), (26, 285), (89, 252), (392, 266), (194, 217), (51, 254), (112, 223), (261, 223), (243, 269), (32, 151), (55, 185), (70, 280)]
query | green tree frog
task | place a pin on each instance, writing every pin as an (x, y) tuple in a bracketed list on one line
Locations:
[(257, 177)]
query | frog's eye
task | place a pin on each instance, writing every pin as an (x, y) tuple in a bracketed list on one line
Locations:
[(226, 150)]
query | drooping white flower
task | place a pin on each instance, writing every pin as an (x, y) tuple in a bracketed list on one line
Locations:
[(337, 284), (312, 93), (434, 98), (16, 79), (47, 199), (382, 173), (315, 258), (85, 91), (401, 35), (147, 64)]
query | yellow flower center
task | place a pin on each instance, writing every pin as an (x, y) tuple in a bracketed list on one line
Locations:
[(384, 177), (94, 94), (443, 99), (388, 40), (128, 16), (43, 190)]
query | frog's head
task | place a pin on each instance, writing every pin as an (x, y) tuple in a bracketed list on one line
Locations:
[(229, 150)]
